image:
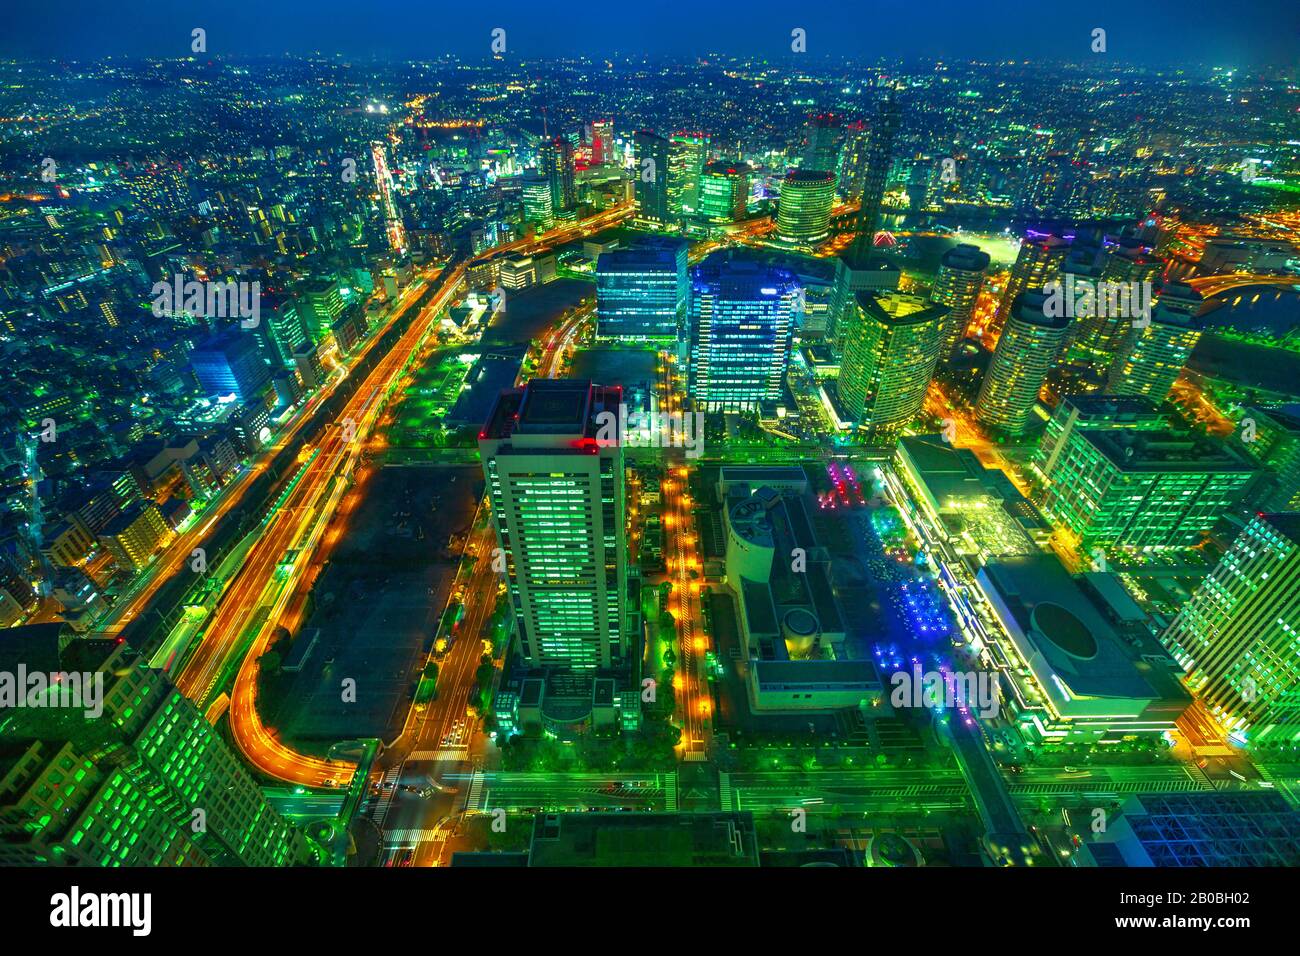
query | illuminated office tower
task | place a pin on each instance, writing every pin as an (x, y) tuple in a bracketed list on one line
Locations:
[(875, 176), (126, 788), (957, 287), (602, 142), (1152, 356), (321, 302), (822, 146), (688, 152), (537, 201), (853, 160), (555, 161), (742, 313), (283, 331), (1103, 329), (1138, 489), (1027, 349), (724, 191), (230, 364), (557, 496), (1237, 636), (807, 197), (1092, 411), (891, 349), (650, 177), (1271, 437), (642, 292), (1038, 263)]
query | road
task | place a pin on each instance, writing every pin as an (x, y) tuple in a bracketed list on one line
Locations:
[(876, 789)]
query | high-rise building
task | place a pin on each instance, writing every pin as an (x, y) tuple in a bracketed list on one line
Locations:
[(536, 194), (557, 496), (642, 292), (824, 137), (650, 177), (1135, 488), (284, 332), (321, 303), (556, 161), (957, 287), (1028, 347), (1038, 263), (231, 364), (1093, 411), (1237, 636), (879, 157), (742, 313), (149, 782), (1271, 437), (134, 535), (160, 189), (1154, 354), (891, 349), (807, 198), (688, 152), (724, 191), (602, 142)]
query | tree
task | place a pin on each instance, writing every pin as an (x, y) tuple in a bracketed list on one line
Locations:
[(270, 662)]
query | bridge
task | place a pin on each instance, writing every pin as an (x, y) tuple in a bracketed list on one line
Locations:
[(1209, 286)]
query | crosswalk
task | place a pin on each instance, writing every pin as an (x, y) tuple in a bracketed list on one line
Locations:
[(475, 791), (1177, 785), (695, 756), (458, 752), (386, 791), (724, 792), (670, 792), (413, 837)]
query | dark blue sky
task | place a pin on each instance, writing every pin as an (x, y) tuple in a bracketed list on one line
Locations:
[(1164, 32)]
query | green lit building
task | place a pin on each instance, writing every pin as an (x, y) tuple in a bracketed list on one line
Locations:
[(149, 782), (687, 154), (724, 192), (1030, 343), (536, 195), (1142, 489), (1238, 638), (891, 348), (807, 197), (558, 503), (1273, 440), (320, 304), (1095, 412), (555, 161), (1038, 262)]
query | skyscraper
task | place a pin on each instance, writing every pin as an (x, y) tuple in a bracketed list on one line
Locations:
[(879, 155), (724, 191), (1027, 349), (557, 500), (1236, 637), (687, 155), (650, 177), (742, 313), (1271, 437), (128, 787), (825, 134), (1038, 263), (321, 302), (891, 349), (555, 161), (642, 292), (536, 194), (1152, 356), (807, 197), (1139, 488), (957, 287), (602, 142)]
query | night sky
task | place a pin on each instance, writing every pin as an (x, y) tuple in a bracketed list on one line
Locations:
[(1158, 32)]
